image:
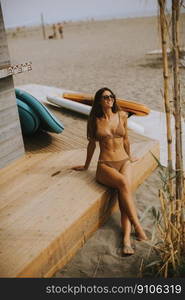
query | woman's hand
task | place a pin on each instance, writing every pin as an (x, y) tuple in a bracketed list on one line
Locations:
[(133, 159), (79, 168)]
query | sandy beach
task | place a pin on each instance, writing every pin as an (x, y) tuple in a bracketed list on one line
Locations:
[(91, 55)]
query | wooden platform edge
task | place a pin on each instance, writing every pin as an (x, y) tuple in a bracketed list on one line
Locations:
[(62, 249)]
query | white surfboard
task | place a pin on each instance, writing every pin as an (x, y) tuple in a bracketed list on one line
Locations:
[(135, 127), (69, 104), (85, 109)]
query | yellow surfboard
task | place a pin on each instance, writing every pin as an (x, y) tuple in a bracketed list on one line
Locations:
[(127, 105)]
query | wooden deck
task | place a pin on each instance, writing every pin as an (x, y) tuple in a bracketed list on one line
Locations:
[(48, 211)]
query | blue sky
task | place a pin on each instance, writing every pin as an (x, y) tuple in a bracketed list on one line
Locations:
[(27, 12)]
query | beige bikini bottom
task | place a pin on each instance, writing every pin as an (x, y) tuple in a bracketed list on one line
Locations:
[(118, 165)]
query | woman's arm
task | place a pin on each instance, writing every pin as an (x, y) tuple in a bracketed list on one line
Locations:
[(90, 151), (126, 142)]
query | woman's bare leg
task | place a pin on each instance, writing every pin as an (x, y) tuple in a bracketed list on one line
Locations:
[(125, 196), (126, 229), (125, 222), (111, 177)]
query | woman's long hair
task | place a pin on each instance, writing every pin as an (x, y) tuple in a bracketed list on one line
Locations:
[(97, 112)]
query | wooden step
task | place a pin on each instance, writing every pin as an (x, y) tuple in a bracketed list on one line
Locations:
[(47, 210)]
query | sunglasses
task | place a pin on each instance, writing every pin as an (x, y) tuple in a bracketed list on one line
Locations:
[(106, 97)]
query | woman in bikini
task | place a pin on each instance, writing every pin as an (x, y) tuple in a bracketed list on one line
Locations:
[(107, 124)]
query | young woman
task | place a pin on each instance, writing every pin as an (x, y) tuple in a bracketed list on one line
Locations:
[(107, 124)]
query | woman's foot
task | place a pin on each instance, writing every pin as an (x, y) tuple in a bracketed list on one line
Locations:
[(127, 250), (140, 234)]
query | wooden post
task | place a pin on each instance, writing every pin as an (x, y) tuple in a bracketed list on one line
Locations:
[(173, 232), (178, 125), (169, 230), (163, 27), (177, 100), (43, 26)]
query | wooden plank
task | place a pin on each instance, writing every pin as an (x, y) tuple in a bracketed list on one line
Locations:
[(45, 219), (12, 155), (11, 142), (9, 131), (7, 94), (7, 149), (7, 115), (4, 54)]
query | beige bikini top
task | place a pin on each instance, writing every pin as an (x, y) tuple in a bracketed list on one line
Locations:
[(117, 133)]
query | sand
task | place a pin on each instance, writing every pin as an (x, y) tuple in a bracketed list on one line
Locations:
[(92, 55)]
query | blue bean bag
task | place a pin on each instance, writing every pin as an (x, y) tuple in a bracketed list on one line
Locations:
[(28, 119), (48, 121)]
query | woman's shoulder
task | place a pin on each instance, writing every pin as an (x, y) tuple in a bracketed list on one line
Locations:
[(123, 114)]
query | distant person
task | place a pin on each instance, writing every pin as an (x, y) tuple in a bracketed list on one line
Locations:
[(60, 30), (54, 35), (54, 31), (107, 124)]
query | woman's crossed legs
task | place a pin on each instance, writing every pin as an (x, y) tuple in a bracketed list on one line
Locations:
[(121, 180)]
